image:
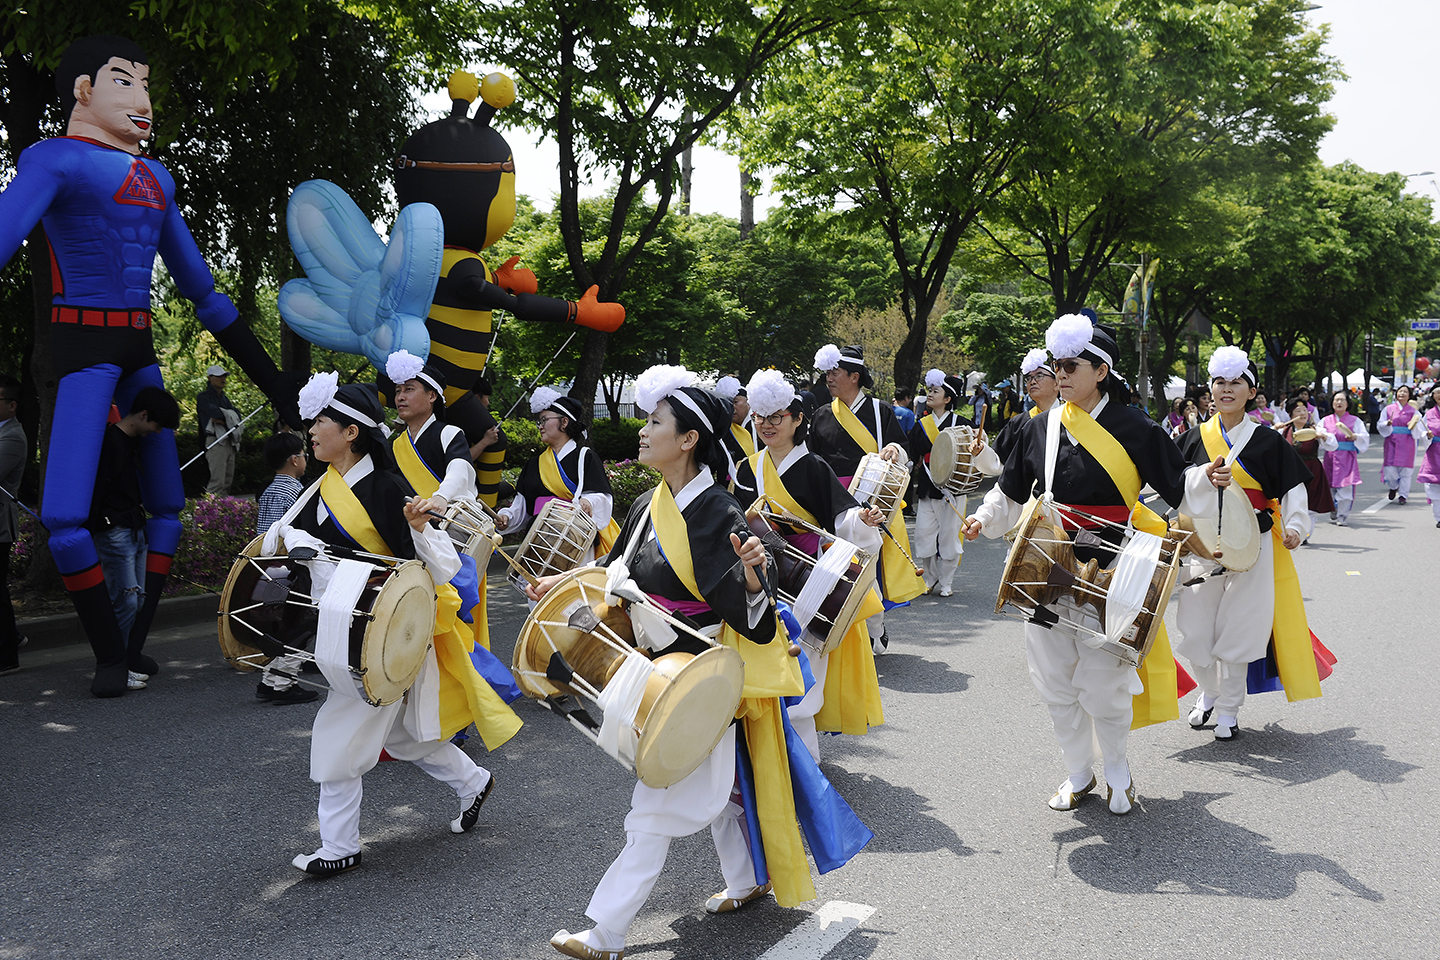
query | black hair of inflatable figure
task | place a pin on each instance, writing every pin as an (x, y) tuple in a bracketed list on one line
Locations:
[(466, 169), (85, 57)]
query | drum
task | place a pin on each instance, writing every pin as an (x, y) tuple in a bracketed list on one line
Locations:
[(558, 540), (825, 594), (573, 642), (473, 531), (1234, 541), (1041, 569), (1304, 434), (950, 465), (266, 612), (882, 481)]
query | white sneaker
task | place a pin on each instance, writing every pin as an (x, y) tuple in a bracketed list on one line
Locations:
[(1226, 728), (135, 681), (1199, 715), (946, 591)]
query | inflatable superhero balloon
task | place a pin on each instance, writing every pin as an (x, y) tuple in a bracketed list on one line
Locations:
[(362, 297)]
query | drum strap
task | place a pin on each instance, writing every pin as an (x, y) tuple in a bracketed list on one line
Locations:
[(742, 437), (332, 634), (773, 487)]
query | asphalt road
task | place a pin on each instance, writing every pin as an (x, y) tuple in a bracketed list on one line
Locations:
[(162, 824)]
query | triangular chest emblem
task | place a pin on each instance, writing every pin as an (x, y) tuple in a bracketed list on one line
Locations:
[(141, 188)]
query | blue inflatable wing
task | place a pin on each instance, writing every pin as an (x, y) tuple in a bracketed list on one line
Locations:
[(360, 295)]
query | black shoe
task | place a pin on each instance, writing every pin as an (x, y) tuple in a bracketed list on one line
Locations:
[(313, 863), (111, 681), (14, 665), (263, 692), (468, 819), (295, 694), (1392, 494), (140, 663)]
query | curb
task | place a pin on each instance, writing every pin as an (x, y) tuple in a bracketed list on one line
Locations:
[(63, 629)]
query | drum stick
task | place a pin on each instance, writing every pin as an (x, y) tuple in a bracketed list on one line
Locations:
[(25, 508), (515, 565), (222, 437), (1219, 524), (885, 529)]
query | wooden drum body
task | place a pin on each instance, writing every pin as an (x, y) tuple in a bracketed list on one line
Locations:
[(472, 530), (1041, 569), (575, 643), (558, 539), (950, 462), (882, 481)]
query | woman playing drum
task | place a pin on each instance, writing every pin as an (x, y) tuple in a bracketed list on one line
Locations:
[(359, 505), (1094, 451), (1399, 422), (1310, 440), (1342, 465), (687, 545), (1044, 393), (1226, 620), (845, 697), (937, 515), (566, 470)]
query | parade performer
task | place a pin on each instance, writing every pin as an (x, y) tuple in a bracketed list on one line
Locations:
[(1342, 465), (937, 514), (566, 470), (1227, 619), (1317, 488), (108, 209), (740, 441), (853, 424), (359, 504), (1044, 393), (845, 697), (1093, 452), (686, 544), (1430, 469), (1399, 422), (433, 461)]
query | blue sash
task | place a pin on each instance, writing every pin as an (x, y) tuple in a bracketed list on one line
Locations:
[(1404, 430), (1347, 445)]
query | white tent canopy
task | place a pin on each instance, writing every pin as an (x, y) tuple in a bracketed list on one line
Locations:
[(1353, 381)]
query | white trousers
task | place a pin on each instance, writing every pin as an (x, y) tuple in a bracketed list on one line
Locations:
[(1088, 693), (1224, 623), (802, 714), (1344, 498), (1432, 490), (937, 527), (1398, 478), (656, 816), (338, 762)]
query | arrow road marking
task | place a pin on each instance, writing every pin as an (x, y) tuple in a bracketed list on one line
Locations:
[(821, 932)]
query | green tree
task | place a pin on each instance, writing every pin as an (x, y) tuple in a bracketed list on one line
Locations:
[(1204, 92), (907, 125), (626, 89), (997, 330)]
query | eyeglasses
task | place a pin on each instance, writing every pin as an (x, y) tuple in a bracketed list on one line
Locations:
[(774, 418), (1068, 366), (541, 421), (1033, 378)]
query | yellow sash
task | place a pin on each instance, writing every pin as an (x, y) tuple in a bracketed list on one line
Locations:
[(554, 482), (416, 473), (1289, 630), (770, 673), (1035, 411), (1159, 701), (852, 688), (742, 437), (932, 429), (862, 437), (349, 514)]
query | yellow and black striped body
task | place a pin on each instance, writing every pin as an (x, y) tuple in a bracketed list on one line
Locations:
[(461, 331)]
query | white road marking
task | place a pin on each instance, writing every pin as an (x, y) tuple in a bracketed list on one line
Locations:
[(1377, 506), (821, 932)]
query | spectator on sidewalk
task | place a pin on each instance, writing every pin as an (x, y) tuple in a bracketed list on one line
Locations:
[(904, 409), (117, 519), (12, 468), (215, 415), (285, 454)]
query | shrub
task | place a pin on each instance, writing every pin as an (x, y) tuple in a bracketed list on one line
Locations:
[(23, 548), (216, 530), (629, 479), (524, 442), (616, 441)]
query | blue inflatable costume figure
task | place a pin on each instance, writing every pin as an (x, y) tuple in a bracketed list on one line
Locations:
[(108, 210)]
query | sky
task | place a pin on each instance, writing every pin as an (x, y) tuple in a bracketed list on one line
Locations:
[(1387, 111)]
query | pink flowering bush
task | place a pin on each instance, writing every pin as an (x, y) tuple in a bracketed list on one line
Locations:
[(24, 547), (629, 479), (216, 530)]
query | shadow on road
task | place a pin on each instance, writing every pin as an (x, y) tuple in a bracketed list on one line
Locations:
[(1277, 754), (1186, 849), (908, 673), (900, 817)]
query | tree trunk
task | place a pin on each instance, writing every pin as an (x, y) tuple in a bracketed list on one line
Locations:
[(42, 574), (587, 371), (687, 170), (911, 355), (747, 203)]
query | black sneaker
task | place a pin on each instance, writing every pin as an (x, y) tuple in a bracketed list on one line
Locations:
[(262, 692), (316, 865), (1392, 494), (295, 694), (468, 819)]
